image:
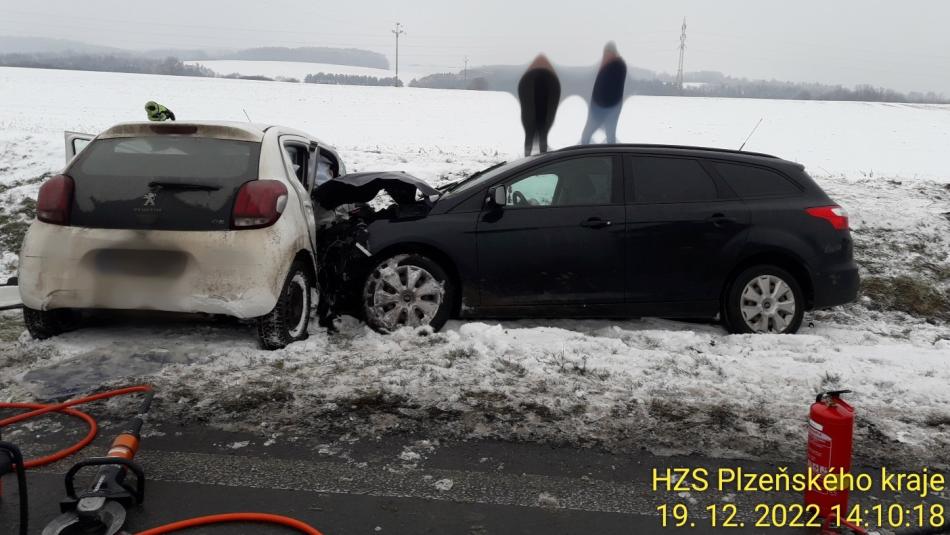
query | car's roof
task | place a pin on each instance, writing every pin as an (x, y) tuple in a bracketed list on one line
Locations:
[(684, 150), (240, 131)]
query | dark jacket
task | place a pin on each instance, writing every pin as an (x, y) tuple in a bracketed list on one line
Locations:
[(539, 92), (608, 88)]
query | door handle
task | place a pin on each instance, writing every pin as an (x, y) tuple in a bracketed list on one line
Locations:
[(720, 220), (596, 222)]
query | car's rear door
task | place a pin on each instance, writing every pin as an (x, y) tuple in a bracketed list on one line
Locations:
[(559, 241), (684, 231)]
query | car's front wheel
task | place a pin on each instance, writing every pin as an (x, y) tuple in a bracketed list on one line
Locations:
[(43, 324), (407, 290), (764, 299), (289, 320)]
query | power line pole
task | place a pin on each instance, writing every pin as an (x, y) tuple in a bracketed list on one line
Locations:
[(679, 72), (465, 71), (397, 32)]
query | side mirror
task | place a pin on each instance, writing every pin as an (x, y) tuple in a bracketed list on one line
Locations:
[(498, 195)]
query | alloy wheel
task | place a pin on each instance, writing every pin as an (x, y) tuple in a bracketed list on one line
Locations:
[(767, 304), (402, 295)]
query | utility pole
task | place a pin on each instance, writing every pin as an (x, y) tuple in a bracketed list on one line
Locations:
[(465, 71), (679, 72), (397, 32)]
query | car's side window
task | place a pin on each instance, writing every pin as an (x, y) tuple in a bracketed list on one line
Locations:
[(583, 181), (327, 168), (750, 181), (535, 190), (297, 157), (671, 180)]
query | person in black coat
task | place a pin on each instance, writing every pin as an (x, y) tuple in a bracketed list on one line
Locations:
[(606, 99), (539, 92)]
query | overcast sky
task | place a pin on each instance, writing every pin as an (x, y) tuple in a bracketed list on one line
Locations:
[(902, 45)]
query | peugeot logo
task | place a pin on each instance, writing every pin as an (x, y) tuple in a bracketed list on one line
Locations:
[(150, 198)]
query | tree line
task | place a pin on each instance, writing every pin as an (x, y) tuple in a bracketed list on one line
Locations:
[(579, 81), (772, 89), (349, 79), (574, 80), (105, 63), (309, 54)]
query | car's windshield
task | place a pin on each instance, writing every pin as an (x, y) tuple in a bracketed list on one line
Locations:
[(482, 177)]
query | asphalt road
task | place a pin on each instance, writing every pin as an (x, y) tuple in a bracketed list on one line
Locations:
[(395, 485)]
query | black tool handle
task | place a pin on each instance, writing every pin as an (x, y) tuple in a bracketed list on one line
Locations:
[(12, 454), (138, 493), (134, 427)]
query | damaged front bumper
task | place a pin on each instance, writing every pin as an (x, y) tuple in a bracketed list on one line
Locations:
[(343, 239)]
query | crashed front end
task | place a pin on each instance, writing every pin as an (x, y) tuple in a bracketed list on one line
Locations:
[(347, 208)]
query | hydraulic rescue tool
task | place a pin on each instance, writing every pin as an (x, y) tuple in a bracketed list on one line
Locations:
[(102, 508)]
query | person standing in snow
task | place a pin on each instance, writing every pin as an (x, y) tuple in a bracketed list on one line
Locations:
[(606, 99), (539, 92)]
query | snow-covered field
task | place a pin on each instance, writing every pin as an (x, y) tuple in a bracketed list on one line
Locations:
[(662, 385), (299, 69)]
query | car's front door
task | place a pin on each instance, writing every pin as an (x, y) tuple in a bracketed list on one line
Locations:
[(75, 143), (300, 162), (683, 230), (558, 240)]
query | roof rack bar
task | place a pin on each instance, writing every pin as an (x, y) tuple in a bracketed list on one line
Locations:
[(657, 146)]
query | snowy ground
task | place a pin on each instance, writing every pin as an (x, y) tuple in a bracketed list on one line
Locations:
[(662, 385)]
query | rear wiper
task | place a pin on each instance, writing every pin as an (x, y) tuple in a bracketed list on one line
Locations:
[(167, 184)]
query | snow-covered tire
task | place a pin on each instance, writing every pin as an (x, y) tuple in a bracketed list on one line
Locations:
[(289, 320), (764, 299), (43, 324), (407, 290)]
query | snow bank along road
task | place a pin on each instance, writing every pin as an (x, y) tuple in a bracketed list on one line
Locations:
[(667, 386)]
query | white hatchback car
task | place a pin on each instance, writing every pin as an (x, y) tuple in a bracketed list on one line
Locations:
[(195, 217)]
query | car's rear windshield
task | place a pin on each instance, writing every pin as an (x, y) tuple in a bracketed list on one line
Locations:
[(204, 159)]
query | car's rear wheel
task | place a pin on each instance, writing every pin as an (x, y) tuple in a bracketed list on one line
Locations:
[(43, 324), (407, 290), (764, 299), (289, 320)]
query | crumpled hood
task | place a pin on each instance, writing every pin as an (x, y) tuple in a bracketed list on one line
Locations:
[(363, 187)]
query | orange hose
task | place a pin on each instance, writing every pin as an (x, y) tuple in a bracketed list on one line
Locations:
[(40, 409), (260, 518), (62, 454)]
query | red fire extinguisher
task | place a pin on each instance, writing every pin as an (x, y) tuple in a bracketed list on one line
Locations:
[(830, 434)]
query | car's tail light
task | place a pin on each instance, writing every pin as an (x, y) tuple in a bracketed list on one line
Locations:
[(259, 204), (55, 200), (836, 215)]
